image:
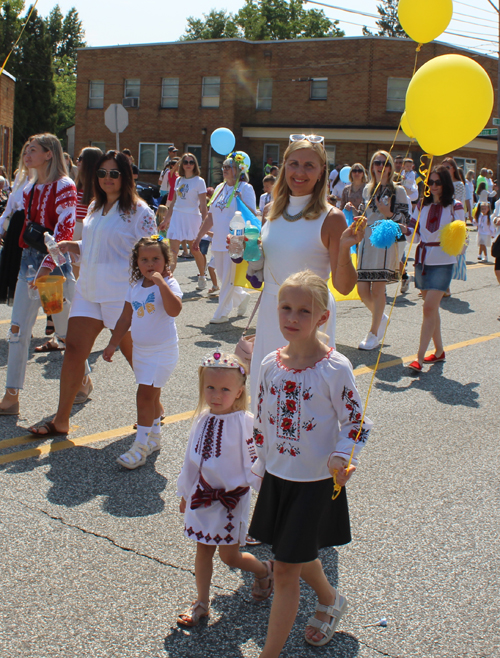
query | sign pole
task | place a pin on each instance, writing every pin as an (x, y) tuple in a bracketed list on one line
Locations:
[(117, 133)]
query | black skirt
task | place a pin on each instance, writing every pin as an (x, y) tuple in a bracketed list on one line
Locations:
[(298, 518), (10, 259)]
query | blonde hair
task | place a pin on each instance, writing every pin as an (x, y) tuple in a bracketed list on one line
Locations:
[(23, 173), (358, 165), (180, 168), (57, 165), (281, 192), (372, 184), (240, 404), (315, 286)]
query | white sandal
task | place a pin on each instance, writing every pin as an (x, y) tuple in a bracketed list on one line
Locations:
[(134, 461), (154, 442), (336, 611)]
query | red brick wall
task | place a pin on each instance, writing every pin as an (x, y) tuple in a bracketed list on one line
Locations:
[(7, 90)]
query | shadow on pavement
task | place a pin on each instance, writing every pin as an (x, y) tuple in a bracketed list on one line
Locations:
[(455, 305)]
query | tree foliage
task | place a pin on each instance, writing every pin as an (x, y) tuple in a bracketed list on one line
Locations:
[(263, 20), (388, 24)]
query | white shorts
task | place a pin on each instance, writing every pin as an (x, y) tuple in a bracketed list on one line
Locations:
[(154, 365), (107, 312)]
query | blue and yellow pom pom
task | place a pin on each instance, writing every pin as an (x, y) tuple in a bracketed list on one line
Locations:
[(453, 237), (384, 233)]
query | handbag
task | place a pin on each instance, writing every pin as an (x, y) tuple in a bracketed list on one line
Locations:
[(245, 345), (34, 233)]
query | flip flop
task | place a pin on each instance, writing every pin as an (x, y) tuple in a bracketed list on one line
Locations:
[(51, 430), (49, 347)]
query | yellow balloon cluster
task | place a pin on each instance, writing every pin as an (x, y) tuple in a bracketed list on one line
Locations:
[(424, 20), (405, 126)]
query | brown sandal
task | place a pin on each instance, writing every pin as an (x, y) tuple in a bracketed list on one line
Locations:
[(262, 593), (191, 617), (50, 430)]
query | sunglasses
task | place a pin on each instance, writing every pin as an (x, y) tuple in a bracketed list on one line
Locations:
[(188, 162), (112, 173), (356, 171), (381, 163), (226, 168), (79, 158), (435, 181), (313, 139)]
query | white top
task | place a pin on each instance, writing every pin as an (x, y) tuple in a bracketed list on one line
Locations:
[(338, 189), (222, 216), (469, 190), (304, 417), (222, 445), (187, 191), (265, 198), (14, 202), (106, 246), (435, 255), (410, 185), (485, 228), (460, 194), (151, 324)]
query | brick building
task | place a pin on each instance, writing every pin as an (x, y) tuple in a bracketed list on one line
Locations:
[(351, 90), (7, 89)]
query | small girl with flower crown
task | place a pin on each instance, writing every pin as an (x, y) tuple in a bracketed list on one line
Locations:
[(215, 480), (152, 303)]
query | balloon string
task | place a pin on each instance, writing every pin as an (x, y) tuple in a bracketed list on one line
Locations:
[(18, 38)]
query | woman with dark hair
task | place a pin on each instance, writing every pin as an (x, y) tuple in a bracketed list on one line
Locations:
[(433, 267), (460, 267), (116, 220)]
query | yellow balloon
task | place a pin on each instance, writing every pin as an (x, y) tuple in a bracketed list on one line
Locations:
[(425, 20), (405, 126), (438, 123)]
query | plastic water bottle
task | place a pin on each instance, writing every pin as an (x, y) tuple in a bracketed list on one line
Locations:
[(237, 240), (252, 249), (30, 277), (53, 249)]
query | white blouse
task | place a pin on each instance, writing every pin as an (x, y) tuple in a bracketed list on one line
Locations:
[(434, 255), (14, 202), (106, 247), (221, 215), (304, 417)]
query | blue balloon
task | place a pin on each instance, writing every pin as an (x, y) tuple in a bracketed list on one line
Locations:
[(344, 174), (222, 141)]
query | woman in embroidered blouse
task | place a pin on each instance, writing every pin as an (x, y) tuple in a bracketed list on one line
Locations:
[(50, 200), (376, 267), (116, 220), (433, 267)]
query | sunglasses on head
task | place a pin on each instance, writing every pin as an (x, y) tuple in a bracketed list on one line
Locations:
[(381, 163), (188, 162), (313, 139), (112, 173), (435, 181)]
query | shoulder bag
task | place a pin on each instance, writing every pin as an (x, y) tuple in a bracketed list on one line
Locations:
[(34, 233)]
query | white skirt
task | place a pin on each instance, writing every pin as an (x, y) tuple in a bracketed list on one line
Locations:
[(484, 240), (154, 365), (183, 226)]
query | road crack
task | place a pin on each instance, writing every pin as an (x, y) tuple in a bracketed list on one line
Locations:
[(382, 653)]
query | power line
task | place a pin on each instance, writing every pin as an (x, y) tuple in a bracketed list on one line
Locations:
[(488, 11), (350, 11)]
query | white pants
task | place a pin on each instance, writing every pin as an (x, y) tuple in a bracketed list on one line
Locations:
[(230, 295)]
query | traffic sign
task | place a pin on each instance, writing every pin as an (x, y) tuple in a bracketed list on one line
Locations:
[(116, 120), (488, 132), (496, 122)]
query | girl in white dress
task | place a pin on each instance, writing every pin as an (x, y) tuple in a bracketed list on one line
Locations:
[(152, 302), (186, 213), (215, 480), (308, 422)]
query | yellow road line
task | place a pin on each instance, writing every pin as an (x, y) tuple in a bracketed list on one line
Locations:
[(121, 431)]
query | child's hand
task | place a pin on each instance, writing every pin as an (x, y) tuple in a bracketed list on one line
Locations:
[(182, 506), (338, 467), (157, 278), (107, 355)]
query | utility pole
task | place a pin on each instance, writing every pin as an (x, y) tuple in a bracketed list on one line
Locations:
[(498, 91)]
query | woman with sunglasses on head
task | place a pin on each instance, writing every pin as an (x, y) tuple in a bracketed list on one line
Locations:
[(49, 202), (116, 220), (384, 201), (222, 210), (352, 194), (433, 267), (187, 212)]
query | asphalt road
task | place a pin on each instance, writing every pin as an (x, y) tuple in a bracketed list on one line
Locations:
[(94, 560)]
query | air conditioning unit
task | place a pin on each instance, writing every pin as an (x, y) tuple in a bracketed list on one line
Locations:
[(130, 102)]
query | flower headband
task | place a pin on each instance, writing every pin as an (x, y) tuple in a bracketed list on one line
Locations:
[(221, 360), (157, 238), (239, 160)]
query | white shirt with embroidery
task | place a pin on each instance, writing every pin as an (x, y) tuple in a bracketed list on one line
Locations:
[(304, 417)]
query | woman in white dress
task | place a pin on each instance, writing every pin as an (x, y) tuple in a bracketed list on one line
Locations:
[(222, 210), (187, 212), (302, 231)]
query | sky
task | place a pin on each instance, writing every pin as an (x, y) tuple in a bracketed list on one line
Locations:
[(113, 22)]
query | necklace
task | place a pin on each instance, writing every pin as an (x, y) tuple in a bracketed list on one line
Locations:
[(292, 218)]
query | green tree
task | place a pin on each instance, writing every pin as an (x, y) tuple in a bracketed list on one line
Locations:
[(215, 25), (388, 24)]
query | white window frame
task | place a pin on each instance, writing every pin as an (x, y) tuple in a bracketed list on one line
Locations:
[(210, 100), (396, 97), (264, 102), (94, 103), (466, 164), (172, 83), (331, 149), (312, 96), (157, 163), (132, 82), (275, 160), (188, 148)]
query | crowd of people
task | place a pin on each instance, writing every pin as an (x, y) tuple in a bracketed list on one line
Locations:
[(119, 257)]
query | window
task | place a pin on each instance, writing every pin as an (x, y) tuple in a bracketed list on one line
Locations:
[(264, 94), (96, 94), (210, 95), (195, 149), (132, 88), (396, 94), (99, 145), (319, 88), (466, 165), (330, 154), (152, 156), (272, 151), (170, 92)]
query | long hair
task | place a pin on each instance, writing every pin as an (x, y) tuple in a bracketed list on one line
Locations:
[(478, 212), (450, 161), (241, 404), (135, 273), (56, 166), (447, 189), (86, 172), (372, 183), (358, 165), (196, 168), (23, 173), (281, 192), (128, 196)]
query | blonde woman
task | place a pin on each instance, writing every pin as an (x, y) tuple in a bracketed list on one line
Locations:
[(50, 201), (376, 267), (301, 232)]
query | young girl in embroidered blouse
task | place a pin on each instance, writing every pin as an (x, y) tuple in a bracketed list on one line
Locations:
[(214, 483), (152, 302), (485, 230), (306, 427)]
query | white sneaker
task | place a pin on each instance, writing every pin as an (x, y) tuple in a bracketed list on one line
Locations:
[(242, 308), (405, 285), (383, 325), (369, 343), (202, 283), (221, 320)]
